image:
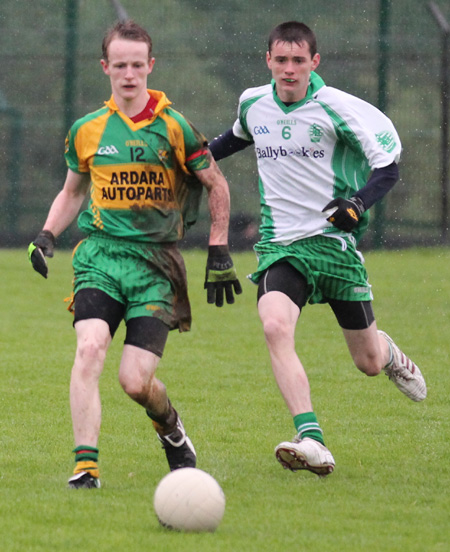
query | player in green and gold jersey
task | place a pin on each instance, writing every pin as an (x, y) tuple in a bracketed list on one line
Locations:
[(145, 166)]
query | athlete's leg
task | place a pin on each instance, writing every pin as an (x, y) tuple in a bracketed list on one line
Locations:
[(279, 316), (93, 339), (373, 350), (137, 377), (144, 345), (97, 316), (282, 294), (369, 352)]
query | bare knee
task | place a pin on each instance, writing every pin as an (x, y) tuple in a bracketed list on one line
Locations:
[(137, 375), (134, 385), (90, 357), (135, 390), (139, 385), (276, 330), (92, 350)]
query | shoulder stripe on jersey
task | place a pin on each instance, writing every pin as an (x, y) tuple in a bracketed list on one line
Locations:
[(350, 164), (244, 107), (342, 128)]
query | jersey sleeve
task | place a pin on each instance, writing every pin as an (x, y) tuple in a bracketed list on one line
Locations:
[(195, 144), (73, 161), (247, 99), (363, 127), (240, 131)]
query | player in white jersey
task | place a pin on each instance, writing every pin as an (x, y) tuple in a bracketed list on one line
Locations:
[(324, 158)]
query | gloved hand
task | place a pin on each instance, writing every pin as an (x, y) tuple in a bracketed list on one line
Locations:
[(220, 275), (40, 248), (346, 212)]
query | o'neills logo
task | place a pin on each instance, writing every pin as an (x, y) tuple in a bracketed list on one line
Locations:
[(275, 153)]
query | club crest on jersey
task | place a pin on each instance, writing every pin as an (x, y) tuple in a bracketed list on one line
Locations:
[(386, 140), (315, 133), (163, 155), (107, 150)]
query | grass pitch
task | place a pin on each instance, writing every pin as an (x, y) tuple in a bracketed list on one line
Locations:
[(389, 491)]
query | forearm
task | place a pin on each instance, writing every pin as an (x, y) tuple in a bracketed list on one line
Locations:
[(219, 208), (345, 213), (380, 182), (62, 212), (67, 203), (220, 275), (218, 202), (226, 144)]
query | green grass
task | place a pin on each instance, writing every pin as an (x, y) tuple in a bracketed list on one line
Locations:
[(389, 491)]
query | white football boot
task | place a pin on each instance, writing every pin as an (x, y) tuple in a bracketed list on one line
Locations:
[(305, 454), (404, 373)]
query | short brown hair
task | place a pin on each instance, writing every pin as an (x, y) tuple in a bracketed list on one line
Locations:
[(128, 30), (293, 31)]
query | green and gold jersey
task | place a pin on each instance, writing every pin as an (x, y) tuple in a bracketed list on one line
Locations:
[(142, 186)]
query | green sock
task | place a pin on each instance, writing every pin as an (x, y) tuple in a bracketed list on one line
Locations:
[(84, 453), (307, 426)]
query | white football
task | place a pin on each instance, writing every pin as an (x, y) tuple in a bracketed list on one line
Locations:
[(189, 499)]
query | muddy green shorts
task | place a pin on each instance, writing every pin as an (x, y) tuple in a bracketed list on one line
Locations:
[(149, 279), (332, 266)]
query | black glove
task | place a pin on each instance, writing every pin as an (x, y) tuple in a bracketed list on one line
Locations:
[(347, 212), (220, 275), (40, 248)]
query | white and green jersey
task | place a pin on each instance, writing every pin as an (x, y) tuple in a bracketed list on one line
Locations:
[(310, 152)]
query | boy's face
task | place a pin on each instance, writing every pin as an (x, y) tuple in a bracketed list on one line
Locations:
[(291, 65), (128, 67)]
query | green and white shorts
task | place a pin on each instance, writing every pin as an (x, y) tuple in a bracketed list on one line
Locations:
[(331, 264)]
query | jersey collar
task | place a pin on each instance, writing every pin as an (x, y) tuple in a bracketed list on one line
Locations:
[(161, 98), (315, 83)]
